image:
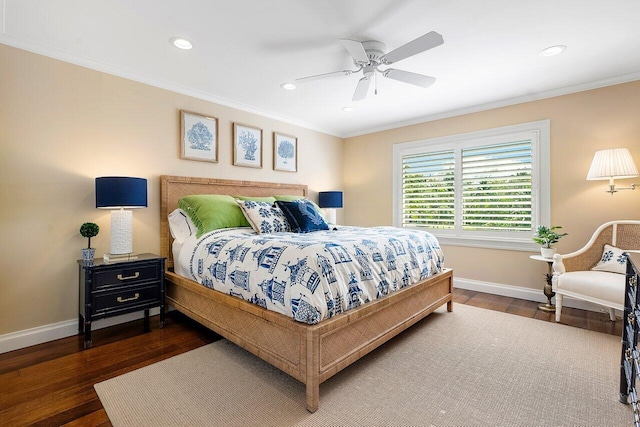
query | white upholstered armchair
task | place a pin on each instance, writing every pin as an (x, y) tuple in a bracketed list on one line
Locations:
[(595, 273)]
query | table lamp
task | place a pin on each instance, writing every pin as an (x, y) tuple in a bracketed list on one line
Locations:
[(330, 200), (120, 193)]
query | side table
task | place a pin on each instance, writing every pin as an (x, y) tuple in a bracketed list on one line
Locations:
[(112, 289), (548, 290)]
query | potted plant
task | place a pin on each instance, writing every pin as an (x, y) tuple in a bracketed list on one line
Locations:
[(546, 237), (89, 230)]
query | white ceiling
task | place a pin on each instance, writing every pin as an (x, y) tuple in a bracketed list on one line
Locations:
[(244, 49)]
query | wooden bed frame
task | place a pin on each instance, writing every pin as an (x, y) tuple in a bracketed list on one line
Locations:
[(309, 353)]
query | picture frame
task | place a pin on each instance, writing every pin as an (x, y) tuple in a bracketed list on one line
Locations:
[(285, 152), (198, 137), (247, 146)]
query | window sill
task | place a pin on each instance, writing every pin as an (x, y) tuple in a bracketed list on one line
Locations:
[(503, 244)]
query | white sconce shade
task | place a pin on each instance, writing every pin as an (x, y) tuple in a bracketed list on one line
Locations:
[(611, 164)]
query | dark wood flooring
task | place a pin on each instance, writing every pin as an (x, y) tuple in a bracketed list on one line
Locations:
[(51, 384)]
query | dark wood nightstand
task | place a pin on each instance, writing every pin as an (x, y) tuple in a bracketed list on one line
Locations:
[(112, 289)]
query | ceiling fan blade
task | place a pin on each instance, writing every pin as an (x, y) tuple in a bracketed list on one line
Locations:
[(362, 89), (356, 50), (422, 43), (409, 77), (322, 76)]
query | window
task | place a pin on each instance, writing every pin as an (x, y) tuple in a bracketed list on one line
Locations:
[(487, 188)]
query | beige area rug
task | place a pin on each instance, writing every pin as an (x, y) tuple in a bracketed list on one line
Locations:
[(471, 367)]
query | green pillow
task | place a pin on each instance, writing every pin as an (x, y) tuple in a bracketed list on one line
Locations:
[(213, 211), (269, 199)]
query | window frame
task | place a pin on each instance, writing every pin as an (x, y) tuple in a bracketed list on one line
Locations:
[(538, 131)]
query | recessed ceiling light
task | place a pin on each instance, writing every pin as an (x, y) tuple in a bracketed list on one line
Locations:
[(288, 86), (553, 50), (181, 43), (347, 109)]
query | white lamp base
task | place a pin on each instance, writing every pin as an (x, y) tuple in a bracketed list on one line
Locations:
[(330, 215), (121, 232)]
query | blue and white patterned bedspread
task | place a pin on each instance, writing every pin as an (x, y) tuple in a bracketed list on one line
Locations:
[(312, 276)]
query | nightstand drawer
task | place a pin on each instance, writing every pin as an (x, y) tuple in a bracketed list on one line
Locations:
[(126, 297), (127, 275)]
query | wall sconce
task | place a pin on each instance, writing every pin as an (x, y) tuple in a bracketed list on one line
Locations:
[(119, 193), (330, 200), (611, 164)]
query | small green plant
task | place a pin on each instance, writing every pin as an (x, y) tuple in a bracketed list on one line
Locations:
[(89, 230), (547, 236)]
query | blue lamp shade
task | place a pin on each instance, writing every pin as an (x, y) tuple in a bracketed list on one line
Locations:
[(330, 199), (121, 192)]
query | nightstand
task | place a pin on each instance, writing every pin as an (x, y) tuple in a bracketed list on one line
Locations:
[(112, 289)]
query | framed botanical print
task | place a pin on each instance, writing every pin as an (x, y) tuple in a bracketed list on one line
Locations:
[(285, 152), (198, 137), (247, 146)]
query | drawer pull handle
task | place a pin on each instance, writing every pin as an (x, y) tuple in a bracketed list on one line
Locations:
[(135, 276), (134, 297)]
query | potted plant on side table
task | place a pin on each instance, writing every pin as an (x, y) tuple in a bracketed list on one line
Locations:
[(546, 237), (89, 230)]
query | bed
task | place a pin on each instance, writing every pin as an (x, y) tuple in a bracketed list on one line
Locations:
[(311, 353)]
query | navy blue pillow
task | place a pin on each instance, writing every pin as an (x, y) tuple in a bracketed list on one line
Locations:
[(302, 215)]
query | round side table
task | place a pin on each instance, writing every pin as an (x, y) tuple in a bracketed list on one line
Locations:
[(548, 290)]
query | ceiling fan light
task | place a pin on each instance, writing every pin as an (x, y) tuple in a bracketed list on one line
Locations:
[(347, 109), (553, 50), (288, 86), (181, 43)]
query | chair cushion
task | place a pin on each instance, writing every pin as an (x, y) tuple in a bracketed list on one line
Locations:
[(595, 284)]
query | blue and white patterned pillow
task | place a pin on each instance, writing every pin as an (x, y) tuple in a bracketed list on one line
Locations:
[(303, 216), (264, 217), (613, 260)]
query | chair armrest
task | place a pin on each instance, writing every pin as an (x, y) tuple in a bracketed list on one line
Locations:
[(558, 265), (587, 256), (582, 260)]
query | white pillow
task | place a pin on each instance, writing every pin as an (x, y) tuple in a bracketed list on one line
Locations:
[(180, 225), (264, 217), (613, 260)]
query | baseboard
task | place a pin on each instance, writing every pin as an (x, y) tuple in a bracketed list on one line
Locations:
[(55, 331), (42, 334), (523, 293)]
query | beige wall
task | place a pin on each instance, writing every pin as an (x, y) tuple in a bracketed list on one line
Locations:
[(61, 126), (581, 123)]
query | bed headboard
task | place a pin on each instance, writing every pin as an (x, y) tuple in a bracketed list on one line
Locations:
[(172, 188)]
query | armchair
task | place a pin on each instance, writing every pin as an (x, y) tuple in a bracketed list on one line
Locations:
[(573, 275)]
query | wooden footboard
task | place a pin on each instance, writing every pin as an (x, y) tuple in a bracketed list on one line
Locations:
[(275, 338), (310, 353)]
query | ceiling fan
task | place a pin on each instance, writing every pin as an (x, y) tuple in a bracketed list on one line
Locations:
[(369, 55)]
